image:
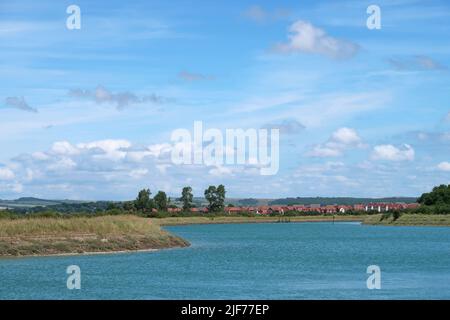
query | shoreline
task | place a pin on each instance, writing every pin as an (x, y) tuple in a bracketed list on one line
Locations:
[(83, 236), (149, 235)]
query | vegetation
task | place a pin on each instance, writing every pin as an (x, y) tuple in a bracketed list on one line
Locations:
[(161, 201), (439, 196), (143, 201), (408, 220), (217, 219), (186, 198), (54, 235), (215, 197), (248, 202)]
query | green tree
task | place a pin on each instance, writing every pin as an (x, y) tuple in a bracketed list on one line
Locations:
[(186, 198), (215, 197), (128, 205), (161, 201), (438, 196), (143, 201)]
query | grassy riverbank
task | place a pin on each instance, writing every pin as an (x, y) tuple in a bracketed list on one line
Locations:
[(76, 235), (38, 236), (252, 219), (409, 220)]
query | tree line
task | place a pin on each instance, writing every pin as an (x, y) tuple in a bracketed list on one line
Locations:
[(161, 202)]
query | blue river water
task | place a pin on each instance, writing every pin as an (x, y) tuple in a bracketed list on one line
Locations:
[(252, 261)]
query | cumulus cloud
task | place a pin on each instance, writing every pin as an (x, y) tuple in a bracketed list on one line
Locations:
[(286, 126), (110, 168), (444, 166), (190, 76), (419, 62), (121, 99), (60, 148), (306, 38), (19, 103), (339, 141), (392, 153), (6, 174), (259, 14)]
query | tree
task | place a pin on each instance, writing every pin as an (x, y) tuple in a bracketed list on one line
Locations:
[(161, 201), (438, 196), (221, 196), (128, 205), (186, 198), (143, 201), (215, 197)]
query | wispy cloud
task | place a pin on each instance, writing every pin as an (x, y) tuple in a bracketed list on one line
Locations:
[(191, 76), (419, 62), (259, 14), (19, 103), (286, 126), (121, 99)]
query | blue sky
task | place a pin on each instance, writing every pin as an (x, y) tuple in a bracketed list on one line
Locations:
[(361, 112)]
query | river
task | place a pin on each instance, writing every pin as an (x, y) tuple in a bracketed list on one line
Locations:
[(252, 261)]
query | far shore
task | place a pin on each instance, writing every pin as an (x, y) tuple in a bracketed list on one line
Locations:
[(129, 233)]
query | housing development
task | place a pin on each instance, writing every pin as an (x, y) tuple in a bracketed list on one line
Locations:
[(313, 208)]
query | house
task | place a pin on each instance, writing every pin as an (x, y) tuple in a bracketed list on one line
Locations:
[(231, 210)]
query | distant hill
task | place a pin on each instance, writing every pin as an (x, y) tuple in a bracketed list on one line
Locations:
[(339, 200), (29, 202)]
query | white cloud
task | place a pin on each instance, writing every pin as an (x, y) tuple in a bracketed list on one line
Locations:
[(62, 164), (138, 173), (342, 139), (321, 151), (40, 155), (306, 38), (110, 149), (6, 174), (346, 136), (444, 166), (219, 171), (391, 153), (60, 148)]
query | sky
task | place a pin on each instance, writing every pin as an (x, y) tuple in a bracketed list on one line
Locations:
[(88, 113)]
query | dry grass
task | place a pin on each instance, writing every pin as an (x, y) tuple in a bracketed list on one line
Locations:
[(410, 220), (240, 219), (42, 236)]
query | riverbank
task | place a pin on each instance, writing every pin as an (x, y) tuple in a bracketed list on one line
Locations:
[(127, 233), (171, 221), (82, 235), (409, 220)]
